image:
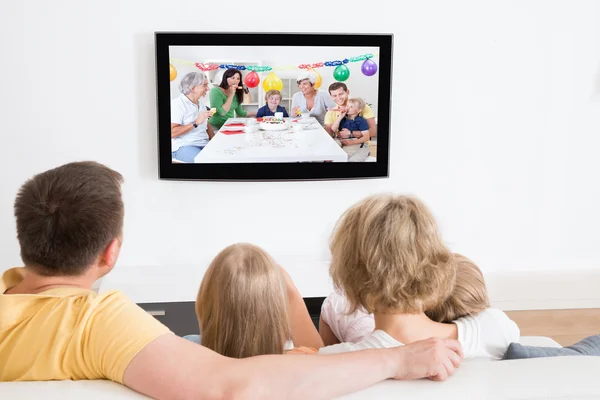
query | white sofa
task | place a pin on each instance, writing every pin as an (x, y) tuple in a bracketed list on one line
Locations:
[(541, 378)]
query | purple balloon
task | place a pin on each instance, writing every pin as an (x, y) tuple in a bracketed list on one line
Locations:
[(369, 67)]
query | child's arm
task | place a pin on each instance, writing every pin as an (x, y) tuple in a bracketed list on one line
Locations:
[(336, 124), (304, 332), (363, 139), (326, 333)]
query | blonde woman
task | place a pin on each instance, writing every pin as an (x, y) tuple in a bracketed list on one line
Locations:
[(248, 305), (389, 261)]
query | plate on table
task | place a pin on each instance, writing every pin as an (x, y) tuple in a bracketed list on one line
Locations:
[(305, 121), (231, 131)]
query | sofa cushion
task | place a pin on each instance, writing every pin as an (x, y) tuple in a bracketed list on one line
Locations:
[(535, 378), (589, 346)]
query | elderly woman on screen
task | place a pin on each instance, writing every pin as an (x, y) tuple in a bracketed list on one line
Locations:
[(190, 130), (309, 99)]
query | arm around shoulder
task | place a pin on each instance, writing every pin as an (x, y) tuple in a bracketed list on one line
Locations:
[(174, 368)]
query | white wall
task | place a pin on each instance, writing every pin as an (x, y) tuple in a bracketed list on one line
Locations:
[(495, 124)]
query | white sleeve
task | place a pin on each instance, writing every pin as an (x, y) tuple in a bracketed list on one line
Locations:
[(329, 103), (347, 328), (337, 348), (487, 334), (176, 112), (297, 101)]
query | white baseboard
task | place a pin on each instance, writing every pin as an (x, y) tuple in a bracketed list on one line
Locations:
[(540, 290)]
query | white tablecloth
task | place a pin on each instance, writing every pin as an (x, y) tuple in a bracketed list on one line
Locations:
[(313, 144)]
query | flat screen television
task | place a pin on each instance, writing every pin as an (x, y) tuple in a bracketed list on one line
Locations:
[(273, 106)]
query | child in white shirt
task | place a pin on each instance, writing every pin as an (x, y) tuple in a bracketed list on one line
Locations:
[(412, 285)]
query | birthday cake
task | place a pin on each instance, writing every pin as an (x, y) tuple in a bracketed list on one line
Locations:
[(274, 124)]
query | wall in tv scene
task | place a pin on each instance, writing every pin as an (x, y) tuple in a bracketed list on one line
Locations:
[(495, 125), (360, 85)]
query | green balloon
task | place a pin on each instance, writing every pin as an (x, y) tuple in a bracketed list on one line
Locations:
[(341, 73)]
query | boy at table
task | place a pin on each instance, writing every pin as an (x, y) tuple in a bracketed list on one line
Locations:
[(273, 98)]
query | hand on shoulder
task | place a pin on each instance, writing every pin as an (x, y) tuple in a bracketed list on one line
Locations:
[(434, 358)]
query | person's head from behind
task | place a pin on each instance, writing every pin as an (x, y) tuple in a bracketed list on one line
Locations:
[(355, 106), (194, 84), (242, 304), (388, 257), (69, 219), (339, 93), (469, 296), (273, 98)]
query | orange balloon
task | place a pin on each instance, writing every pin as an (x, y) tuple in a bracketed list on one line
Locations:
[(272, 82), (319, 80), (172, 72)]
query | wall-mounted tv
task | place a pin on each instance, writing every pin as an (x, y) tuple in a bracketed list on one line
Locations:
[(273, 106)]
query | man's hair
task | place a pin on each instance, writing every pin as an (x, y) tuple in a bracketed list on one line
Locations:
[(360, 103), (337, 85), (273, 92), (387, 256), (469, 296), (67, 216), (190, 80), (242, 304)]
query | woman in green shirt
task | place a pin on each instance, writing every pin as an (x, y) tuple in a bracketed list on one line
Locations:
[(227, 98)]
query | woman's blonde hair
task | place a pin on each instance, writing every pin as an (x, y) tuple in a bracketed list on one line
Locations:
[(469, 296), (242, 304), (387, 256)]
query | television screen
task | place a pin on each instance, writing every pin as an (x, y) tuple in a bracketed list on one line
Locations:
[(273, 106)]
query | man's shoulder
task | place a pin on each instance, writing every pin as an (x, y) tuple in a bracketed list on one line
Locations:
[(177, 104), (367, 112)]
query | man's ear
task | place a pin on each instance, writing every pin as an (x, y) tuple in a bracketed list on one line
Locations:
[(109, 256)]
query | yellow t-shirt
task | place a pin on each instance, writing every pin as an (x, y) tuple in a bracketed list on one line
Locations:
[(331, 116), (69, 333)]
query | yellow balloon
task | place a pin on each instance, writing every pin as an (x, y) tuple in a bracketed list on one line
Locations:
[(272, 82), (319, 80), (172, 72)]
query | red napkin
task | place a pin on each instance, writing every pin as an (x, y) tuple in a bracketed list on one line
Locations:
[(235, 124), (230, 132)]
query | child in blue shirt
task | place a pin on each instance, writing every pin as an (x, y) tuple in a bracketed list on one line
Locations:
[(348, 121), (351, 120), (273, 98)]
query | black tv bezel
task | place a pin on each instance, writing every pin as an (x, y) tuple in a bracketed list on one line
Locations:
[(272, 171)]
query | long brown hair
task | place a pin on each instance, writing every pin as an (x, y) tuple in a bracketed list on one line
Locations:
[(242, 304), (239, 93)]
